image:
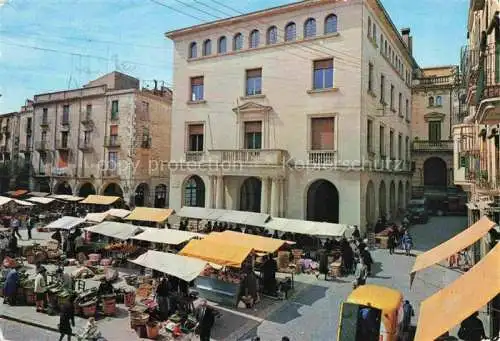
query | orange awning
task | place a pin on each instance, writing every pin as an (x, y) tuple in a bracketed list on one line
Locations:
[(214, 252), (19, 192), (258, 243), (453, 304), (458, 243)]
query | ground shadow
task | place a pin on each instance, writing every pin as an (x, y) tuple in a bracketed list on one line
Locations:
[(286, 313), (310, 295), (249, 335), (376, 268)]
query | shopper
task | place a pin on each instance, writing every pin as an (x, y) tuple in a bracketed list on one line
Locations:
[(10, 287), (40, 289), (361, 273), (206, 320), (472, 329), (15, 224), (67, 319)]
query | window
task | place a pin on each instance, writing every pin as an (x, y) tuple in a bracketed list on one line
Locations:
[(113, 130), (374, 33), (44, 136), (439, 100), (400, 104), (310, 28), (407, 148), (369, 136), (65, 115), (381, 141), (323, 74), (195, 143), (431, 101), (114, 110), (407, 109), (112, 160), (370, 77), (253, 135), (194, 192), (382, 89), (435, 131), (144, 114), (323, 133), (381, 42), (290, 32), (391, 144), (29, 123), (254, 82), (207, 47), (237, 42), (400, 147), (86, 137), (222, 48), (385, 47), (331, 24), (193, 50), (146, 139), (392, 97), (88, 111), (197, 88), (369, 27), (254, 39), (272, 35), (64, 139)]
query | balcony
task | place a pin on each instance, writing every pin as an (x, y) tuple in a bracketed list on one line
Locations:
[(61, 172), (25, 148), (195, 156), (44, 123), (435, 81), (65, 125), (42, 171), (85, 145), (42, 146), (246, 156), (112, 141), (3, 149), (110, 173), (432, 146), (321, 157), (62, 145), (87, 119)]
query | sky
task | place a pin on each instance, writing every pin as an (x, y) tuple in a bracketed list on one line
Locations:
[(51, 45)]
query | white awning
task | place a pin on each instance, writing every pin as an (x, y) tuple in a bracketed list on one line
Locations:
[(200, 213), (307, 227), (23, 203), (66, 197), (5, 200), (167, 236), (41, 200), (65, 223), (244, 218), (118, 212), (39, 194), (115, 230), (184, 268), (96, 217)]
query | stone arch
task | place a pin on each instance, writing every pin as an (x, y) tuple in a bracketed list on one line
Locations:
[(435, 172), (193, 191), (160, 196), (250, 194), (86, 189), (63, 187), (371, 217), (323, 202), (401, 199), (141, 194), (112, 189), (392, 200), (382, 199)]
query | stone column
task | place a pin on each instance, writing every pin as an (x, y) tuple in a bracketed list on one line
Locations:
[(275, 199), (264, 195), (209, 196), (220, 192), (282, 198)]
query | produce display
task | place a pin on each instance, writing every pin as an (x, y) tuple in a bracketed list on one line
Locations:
[(227, 275), (121, 247)]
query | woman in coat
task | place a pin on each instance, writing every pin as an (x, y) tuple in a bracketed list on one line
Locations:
[(67, 319)]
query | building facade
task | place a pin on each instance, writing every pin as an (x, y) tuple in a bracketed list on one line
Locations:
[(107, 137), (299, 111), (435, 104)]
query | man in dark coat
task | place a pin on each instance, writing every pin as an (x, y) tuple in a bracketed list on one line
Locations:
[(67, 319), (206, 320), (472, 329), (269, 269)]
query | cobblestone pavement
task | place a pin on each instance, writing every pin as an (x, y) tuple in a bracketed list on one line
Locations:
[(13, 331)]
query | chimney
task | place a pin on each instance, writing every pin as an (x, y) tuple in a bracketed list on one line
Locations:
[(405, 33)]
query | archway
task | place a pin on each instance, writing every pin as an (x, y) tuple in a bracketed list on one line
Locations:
[(370, 204), (435, 172), (194, 192), (86, 189), (141, 195), (392, 200), (323, 202), (401, 199), (382, 199), (250, 193), (63, 188), (160, 196), (113, 189)]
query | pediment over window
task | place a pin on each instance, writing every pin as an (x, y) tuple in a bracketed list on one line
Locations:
[(434, 116), (250, 107)]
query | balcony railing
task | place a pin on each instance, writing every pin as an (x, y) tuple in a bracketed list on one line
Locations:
[(62, 144), (112, 141), (85, 145), (433, 146), (42, 145), (44, 123), (246, 156), (87, 119), (321, 157), (61, 172), (433, 81), (193, 156)]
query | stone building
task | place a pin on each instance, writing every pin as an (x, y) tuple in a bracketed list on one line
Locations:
[(300, 111)]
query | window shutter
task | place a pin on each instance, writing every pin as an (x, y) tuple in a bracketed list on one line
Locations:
[(113, 130), (196, 129), (323, 64), (322, 130), (197, 81), (253, 127), (254, 73)]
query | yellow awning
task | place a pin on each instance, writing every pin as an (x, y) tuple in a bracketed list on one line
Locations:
[(100, 199), (214, 252), (156, 215), (258, 243), (458, 243), (453, 304)]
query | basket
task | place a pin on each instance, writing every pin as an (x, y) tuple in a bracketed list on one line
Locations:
[(153, 330), (95, 257), (109, 306), (283, 259), (30, 259), (138, 319), (89, 308), (30, 296), (130, 299)]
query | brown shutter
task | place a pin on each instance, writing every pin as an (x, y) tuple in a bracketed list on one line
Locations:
[(254, 73), (197, 81), (322, 131), (113, 130), (323, 64), (253, 127), (196, 129)]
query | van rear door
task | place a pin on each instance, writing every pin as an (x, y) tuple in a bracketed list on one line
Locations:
[(348, 322)]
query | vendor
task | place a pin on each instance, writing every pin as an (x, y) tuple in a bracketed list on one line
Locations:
[(65, 278), (10, 287), (40, 289), (269, 269), (105, 288)]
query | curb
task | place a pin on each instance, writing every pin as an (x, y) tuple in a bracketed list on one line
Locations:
[(33, 324)]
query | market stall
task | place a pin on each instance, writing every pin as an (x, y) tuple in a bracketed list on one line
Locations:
[(155, 216), (39, 194), (221, 285), (64, 223), (111, 214), (66, 197), (17, 193), (41, 200), (167, 237), (100, 203)]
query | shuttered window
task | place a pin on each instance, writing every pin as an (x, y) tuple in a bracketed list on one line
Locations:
[(195, 137), (323, 133), (253, 135), (434, 131), (323, 74), (113, 130), (197, 88), (254, 82)]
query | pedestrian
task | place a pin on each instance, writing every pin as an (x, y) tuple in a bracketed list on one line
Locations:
[(361, 273), (407, 242), (30, 224), (206, 320), (40, 289), (13, 245), (347, 256), (14, 224), (356, 235), (67, 319), (391, 241), (408, 313), (162, 298), (368, 260), (10, 287), (472, 329)]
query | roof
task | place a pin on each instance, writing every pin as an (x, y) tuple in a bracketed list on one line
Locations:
[(466, 295), (115, 230), (41, 200), (213, 252), (39, 194), (65, 223), (379, 297), (258, 243), (66, 197), (307, 227), (452, 246), (100, 199), (157, 215), (167, 236), (184, 268)]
